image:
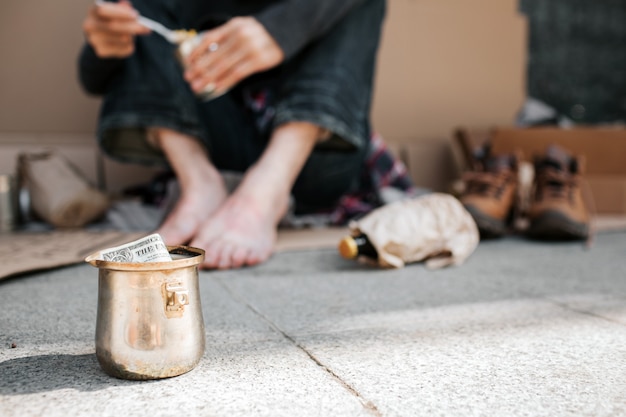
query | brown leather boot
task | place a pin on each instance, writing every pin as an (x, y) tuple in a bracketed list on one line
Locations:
[(490, 191), (557, 209)]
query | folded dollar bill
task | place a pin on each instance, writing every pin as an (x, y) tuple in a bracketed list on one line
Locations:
[(147, 249)]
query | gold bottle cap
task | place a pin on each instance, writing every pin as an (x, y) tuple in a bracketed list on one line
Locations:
[(348, 248)]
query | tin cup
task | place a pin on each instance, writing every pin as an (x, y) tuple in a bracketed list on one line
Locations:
[(183, 50), (8, 203), (149, 323)]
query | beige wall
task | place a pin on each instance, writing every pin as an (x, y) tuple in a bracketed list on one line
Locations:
[(443, 63), (39, 41)]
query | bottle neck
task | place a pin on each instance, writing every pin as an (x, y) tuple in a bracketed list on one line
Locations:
[(365, 247)]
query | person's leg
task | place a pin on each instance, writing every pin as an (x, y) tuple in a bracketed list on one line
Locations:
[(340, 67), (331, 87), (150, 116), (243, 230), (148, 92), (202, 187), (231, 144)]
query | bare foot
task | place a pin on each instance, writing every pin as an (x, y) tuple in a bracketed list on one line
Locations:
[(195, 205), (202, 187), (243, 230)]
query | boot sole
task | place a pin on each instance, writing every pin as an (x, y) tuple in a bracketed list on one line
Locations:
[(489, 227), (554, 225)]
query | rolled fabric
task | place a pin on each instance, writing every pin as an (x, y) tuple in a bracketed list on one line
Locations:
[(58, 193)]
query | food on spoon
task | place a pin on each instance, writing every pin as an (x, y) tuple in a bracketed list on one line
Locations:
[(182, 35)]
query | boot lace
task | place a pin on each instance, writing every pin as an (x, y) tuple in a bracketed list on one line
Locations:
[(554, 183), (487, 184)]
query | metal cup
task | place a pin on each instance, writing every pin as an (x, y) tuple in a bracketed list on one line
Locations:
[(149, 322), (8, 203)]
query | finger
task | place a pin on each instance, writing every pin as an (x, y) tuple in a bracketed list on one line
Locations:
[(123, 41), (121, 11), (116, 18), (120, 39), (111, 45), (214, 66), (230, 71), (123, 27), (216, 36), (234, 75), (114, 51), (111, 38)]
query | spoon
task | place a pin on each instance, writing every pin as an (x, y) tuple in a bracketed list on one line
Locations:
[(172, 36)]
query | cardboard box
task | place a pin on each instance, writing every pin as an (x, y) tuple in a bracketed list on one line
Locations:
[(609, 193), (604, 150)]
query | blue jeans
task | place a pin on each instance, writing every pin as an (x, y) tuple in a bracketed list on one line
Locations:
[(328, 84)]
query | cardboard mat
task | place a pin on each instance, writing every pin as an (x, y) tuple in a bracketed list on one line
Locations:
[(29, 251), (32, 251)]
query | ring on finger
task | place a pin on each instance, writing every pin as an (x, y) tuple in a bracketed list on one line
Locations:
[(213, 46)]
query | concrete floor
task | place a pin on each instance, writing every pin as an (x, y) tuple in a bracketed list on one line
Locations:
[(522, 329)]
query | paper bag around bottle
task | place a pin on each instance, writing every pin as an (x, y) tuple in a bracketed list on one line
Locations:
[(434, 228)]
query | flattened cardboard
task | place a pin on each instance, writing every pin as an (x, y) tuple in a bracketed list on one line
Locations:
[(609, 193), (308, 239), (23, 252), (604, 148), (431, 164)]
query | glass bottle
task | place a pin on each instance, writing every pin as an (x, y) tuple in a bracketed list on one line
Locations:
[(351, 247)]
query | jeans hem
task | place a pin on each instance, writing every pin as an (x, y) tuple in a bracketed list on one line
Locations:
[(343, 137), (123, 137)]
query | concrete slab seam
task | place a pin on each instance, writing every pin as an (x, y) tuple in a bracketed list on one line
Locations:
[(585, 312), (367, 404)]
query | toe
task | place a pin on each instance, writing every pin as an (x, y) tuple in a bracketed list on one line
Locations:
[(224, 260), (257, 256), (211, 256), (239, 256)]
